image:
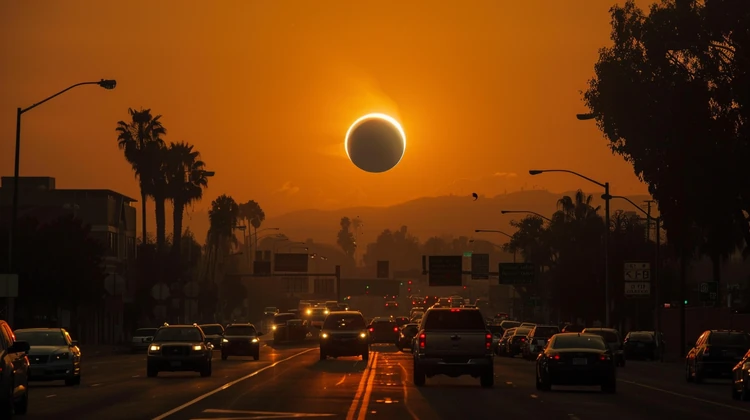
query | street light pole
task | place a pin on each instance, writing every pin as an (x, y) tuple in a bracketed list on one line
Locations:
[(526, 212), (604, 185)]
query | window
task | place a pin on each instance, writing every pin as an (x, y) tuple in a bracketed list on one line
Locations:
[(344, 322), (113, 242), (561, 342)]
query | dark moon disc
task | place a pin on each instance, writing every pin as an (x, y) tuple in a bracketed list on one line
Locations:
[(375, 144)]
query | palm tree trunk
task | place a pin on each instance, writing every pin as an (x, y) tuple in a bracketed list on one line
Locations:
[(177, 213), (159, 205), (144, 234)]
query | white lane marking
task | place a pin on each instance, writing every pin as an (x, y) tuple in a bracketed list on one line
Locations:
[(227, 385), (51, 395), (689, 397), (406, 393), (93, 385), (573, 417), (343, 378), (360, 388), (534, 396), (368, 390), (136, 376), (256, 415)]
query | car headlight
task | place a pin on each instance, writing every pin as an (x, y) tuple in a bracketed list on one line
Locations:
[(198, 347), (60, 356), (362, 335), (254, 340), (309, 312), (273, 327), (154, 347), (324, 335), (326, 312), (224, 340)]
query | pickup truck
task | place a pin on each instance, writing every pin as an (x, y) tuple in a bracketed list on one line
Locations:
[(454, 342)]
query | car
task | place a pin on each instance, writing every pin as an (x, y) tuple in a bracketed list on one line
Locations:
[(741, 379), (640, 345), (576, 359), (497, 333), (391, 305), (613, 339), (507, 324), (400, 320), (53, 355), (317, 317), (517, 341), (240, 340), (453, 342), (179, 348), (715, 353), (214, 333), (415, 309), (537, 340), (383, 330), (502, 345), (13, 358), (142, 338), (344, 334), (406, 336)]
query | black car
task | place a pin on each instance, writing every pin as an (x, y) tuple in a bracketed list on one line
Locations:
[(344, 334), (715, 354), (179, 348), (406, 336), (640, 345), (537, 340), (400, 320), (517, 341), (741, 379), (576, 359), (614, 341), (384, 330), (16, 385), (240, 340), (213, 333)]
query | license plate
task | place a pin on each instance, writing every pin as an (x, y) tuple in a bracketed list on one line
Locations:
[(540, 342), (578, 361), (175, 364)]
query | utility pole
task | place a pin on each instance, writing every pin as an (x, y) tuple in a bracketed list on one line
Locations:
[(648, 219)]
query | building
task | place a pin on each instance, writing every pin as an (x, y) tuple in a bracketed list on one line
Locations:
[(112, 220)]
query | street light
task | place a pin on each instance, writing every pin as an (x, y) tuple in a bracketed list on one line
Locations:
[(604, 185), (496, 231), (657, 221), (106, 84), (527, 212)]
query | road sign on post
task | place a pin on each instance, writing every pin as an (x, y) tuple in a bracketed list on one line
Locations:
[(516, 273), (709, 291), (637, 279), (290, 263), (480, 266), (384, 271), (445, 270)]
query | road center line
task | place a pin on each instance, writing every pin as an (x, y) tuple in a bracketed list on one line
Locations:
[(361, 388), (227, 385), (368, 390), (343, 378), (689, 397)]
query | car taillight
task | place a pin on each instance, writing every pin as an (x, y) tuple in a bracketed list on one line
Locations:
[(555, 357), (706, 352), (455, 310), (603, 357), (488, 341), (372, 329), (395, 329), (523, 339), (422, 340)]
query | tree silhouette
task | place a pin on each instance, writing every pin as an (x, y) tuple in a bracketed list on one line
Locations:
[(223, 219), (254, 215), (345, 238), (186, 179), (399, 248)]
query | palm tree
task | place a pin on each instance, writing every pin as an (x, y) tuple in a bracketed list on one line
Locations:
[(254, 214), (134, 138), (186, 179), (222, 217), (158, 156)]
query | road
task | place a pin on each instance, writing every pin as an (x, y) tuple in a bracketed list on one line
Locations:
[(291, 382)]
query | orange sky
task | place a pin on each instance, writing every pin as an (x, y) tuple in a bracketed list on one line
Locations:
[(267, 89)]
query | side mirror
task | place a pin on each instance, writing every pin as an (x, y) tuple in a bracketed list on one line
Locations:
[(208, 341), (19, 347), (74, 343), (260, 333)]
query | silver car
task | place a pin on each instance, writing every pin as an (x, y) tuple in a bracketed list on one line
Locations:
[(142, 338), (53, 355)]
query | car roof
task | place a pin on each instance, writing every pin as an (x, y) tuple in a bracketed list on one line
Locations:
[(601, 329), (207, 325), (185, 326), (571, 334), (38, 329), (346, 312), (244, 324)]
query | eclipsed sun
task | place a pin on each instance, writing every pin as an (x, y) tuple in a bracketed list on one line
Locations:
[(375, 143)]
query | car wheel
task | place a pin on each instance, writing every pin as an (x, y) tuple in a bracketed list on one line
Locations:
[(419, 376), (21, 406), (224, 356), (73, 381), (487, 380), (206, 371)]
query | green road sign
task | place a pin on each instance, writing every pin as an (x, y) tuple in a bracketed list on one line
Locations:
[(517, 273), (468, 254), (709, 291)]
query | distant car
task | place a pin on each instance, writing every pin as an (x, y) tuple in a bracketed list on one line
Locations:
[(53, 355), (509, 324), (214, 333), (406, 336), (270, 311), (318, 316), (13, 359), (179, 348), (537, 340), (142, 338), (383, 330), (517, 341), (344, 334), (614, 341), (576, 359), (639, 345), (501, 348), (391, 305), (240, 340), (415, 309), (401, 321), (741, 379)]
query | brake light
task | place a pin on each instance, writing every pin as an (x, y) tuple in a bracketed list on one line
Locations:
[(455, 310), (488, 341), (397, 304), (603, 357), (395, 329), (523, 339), (372, 329), (556, 357), (422, 340), (706, 352)]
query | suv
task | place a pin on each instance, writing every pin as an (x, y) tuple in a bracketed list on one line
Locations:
[(240, 340), (715, 354), (454, 342), (344, 334), (213, 333), (53, 355), (13, 359), (179, 348)]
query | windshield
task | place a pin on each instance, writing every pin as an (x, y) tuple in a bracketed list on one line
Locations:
[(510, 324), (642, 337), (608, 336), (522, 331), (144, 332), (545, 331), (344, 322), (470, 319), (190, 334), (410, 330), (729, 339), (212, 329), (561, 342), (241, 330), (509, 332), (42, 338)]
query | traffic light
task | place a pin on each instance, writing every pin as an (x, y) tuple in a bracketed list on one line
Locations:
[(409, 282), (685, 302)]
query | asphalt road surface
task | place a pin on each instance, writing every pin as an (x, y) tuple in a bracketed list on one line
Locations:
[(291, 382)]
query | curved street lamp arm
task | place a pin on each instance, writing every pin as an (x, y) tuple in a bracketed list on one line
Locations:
[(57, 94), (567, 171), (527, 212), (492, 231), (657, 218)]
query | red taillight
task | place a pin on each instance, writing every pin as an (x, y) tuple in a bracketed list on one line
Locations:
[(488, 341), (523, 339), (455, 310), (372, 329), (397, 304), (603, 357), (706, 352), (422, 340), (556, 357), (395, 329)]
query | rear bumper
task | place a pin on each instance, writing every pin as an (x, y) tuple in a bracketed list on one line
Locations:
[(344, 349), (579, 376), (445, 366), (240, 349), (716, 369)]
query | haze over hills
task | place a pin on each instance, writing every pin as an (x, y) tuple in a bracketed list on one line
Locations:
[(425, 217)]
